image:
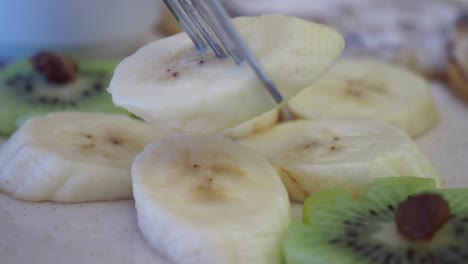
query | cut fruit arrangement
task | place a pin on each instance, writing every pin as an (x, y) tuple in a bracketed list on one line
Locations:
[(211, 170)]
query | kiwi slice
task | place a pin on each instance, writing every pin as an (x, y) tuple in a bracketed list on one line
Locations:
[(50, 82), (399, 220)]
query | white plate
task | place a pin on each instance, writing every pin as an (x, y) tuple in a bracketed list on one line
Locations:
[(95, 233)]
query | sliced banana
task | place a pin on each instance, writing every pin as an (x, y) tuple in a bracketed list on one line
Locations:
[(254, 125), (313, 155), (356, 88), (73, 157), (170, 83), (203, 199)]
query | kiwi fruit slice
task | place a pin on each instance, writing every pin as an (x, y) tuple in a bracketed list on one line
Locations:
[(49, 82), (399, 220)]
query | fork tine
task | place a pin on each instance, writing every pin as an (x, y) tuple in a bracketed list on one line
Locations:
[(184, 20), (239, 46), (202, 27), (207, 11), (209, 19)]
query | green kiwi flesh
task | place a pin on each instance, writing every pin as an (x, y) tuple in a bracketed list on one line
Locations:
[(24, 92), (337, 229)]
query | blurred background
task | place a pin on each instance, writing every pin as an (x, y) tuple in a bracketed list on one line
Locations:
[(414, 33), (418, 34)]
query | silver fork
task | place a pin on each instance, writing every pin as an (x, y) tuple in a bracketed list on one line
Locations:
[(207, 24)]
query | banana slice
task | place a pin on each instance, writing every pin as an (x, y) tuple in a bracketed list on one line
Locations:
[(73, 157), (368, 89), (254, 125), (170, 83), (349, 153), (203, 199)]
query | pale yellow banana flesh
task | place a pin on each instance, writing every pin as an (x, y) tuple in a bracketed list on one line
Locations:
[(207, 199), (171, 84), (254, 125), (368, 89), (313, 155), (73, 157)]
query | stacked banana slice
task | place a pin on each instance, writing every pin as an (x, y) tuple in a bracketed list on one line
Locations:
[(254, 125), (206, 198)]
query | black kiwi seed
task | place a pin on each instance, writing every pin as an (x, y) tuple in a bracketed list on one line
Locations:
[(391, 208), (460, 230), (367, 253), (18, 78), (409, 254), (334, 241), (10, 82), (454, 249), (351, 234), (28, 87), (86, 93), (377, 247), (388, 258), (97, 86), (358, 224), (54, 101), (372, 212), (351, 244), (431, 258), (359, 247), (14, 80)]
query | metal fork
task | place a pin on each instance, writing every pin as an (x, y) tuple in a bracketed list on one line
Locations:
[(207, 24)]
